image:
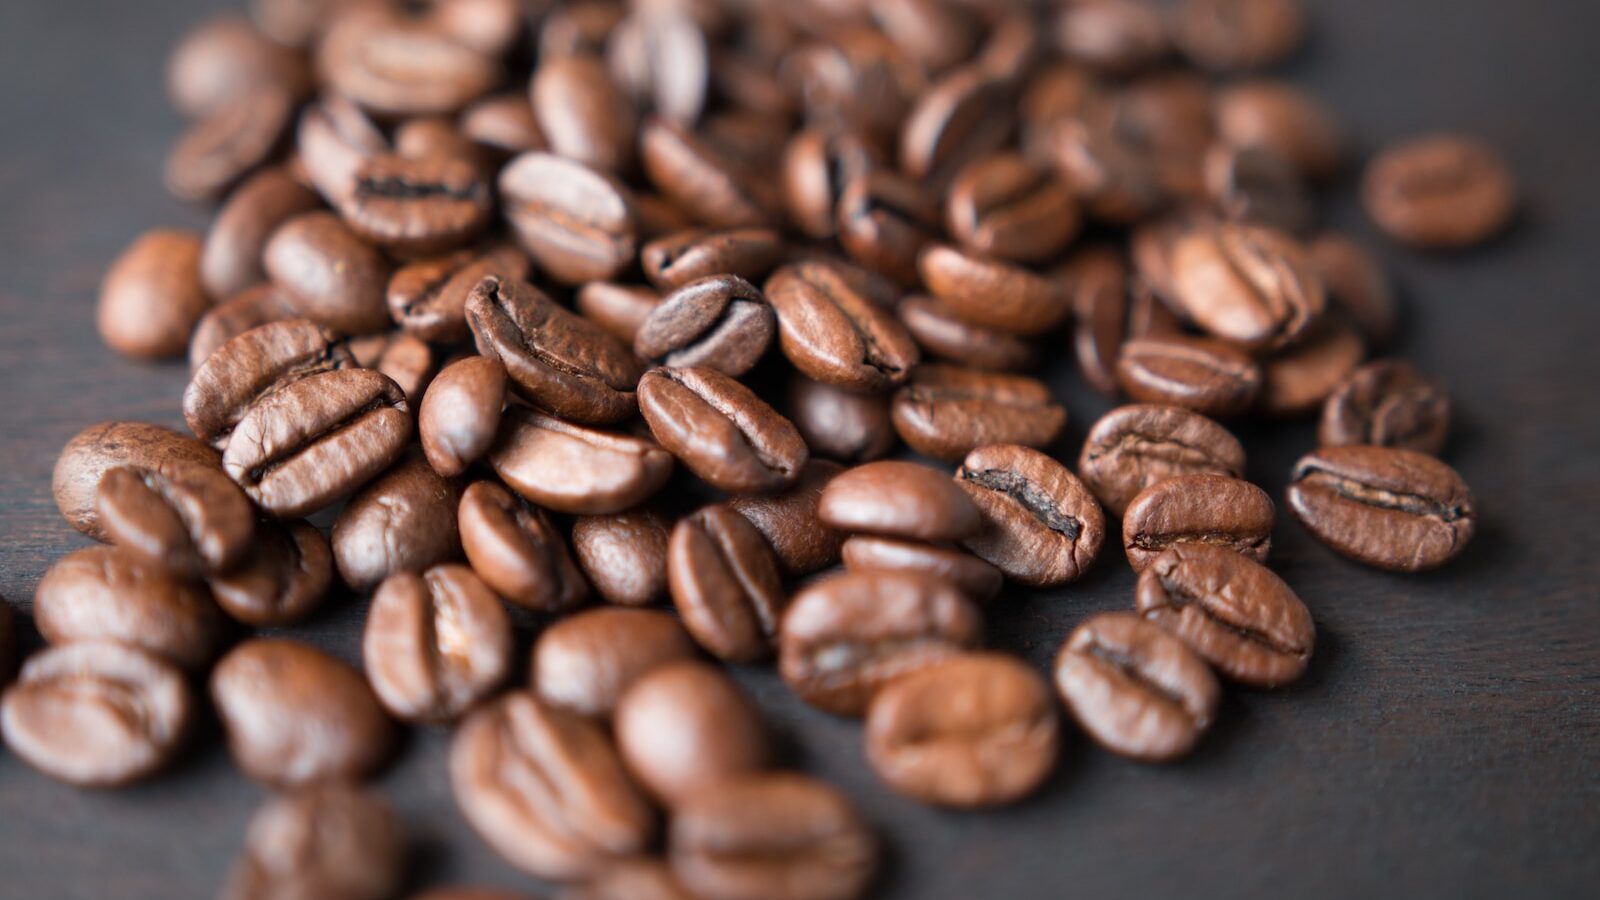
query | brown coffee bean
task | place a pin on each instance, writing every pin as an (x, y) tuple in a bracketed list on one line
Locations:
[(639, 878), (789, 522), (1283, 118), (491, 27), (1003, 206), (624, 555), (1296, 380), (333, 141), (545, 789), (1441, 191), (659, 56), (285, 577), (960, 117), (835, 333), (437, 138), (403, 521), (1111, 309), (871, 553), (415, 206), (96, 714), (1198, 509), (1390, 508), (934, 34), (898, 499), (1247, 284), (230, 260), (572, 469), (216, 152), (946, 412), (189, 522), (838, 423), (1040, 524), (99, 448), (252, 366), (516, 551), (1387, 404), (295, 715), (330, 275), (674, 260), (577, 222), (503, 124), (682, 726), (859, 80), (222, 59), (582, 114), (1133, 447), (720, 322), (394, 63), (1117, 37), (784, 836), (1232, 35), (260, 305), (1115, 177), (702, 180), (330, 840), (1256, 185), (151, 297), (1013, 49), (1204, 375), (585, 662), (1357, 286), (817, 164), (460, 413), (943, 334), (619, 309), (724, 582), (405, 358), (1151, 242), (993, 293), (1137, 690), (972, 730), (884, 220), (720, 430)]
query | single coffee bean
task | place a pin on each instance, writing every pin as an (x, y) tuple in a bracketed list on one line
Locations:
[(578, 28), (1357, 286), (884, 220), (1001, 205), (1200, 374), (1283, 118), (1171, 114), (963, 115), (581, 112), (285, 577), (403, 521), (1040, 524), (898, 499), (1387, 404), (502, 124), (396, 64), (152, 297), (577, 222), (230, 260), (810, 842), (1234, 35), (414, 206), (1151, 243), (857, 80), (585, 662), (216, 152), (295, 715), (972, 730), (1115, 177), (720, 430), (943, 334), (1441, 191), (437, 138), (460, 413), (702, 180), (946, 412), (1256, 185), (724, 582), (685, 725), (252, 366), (99, 448), (1387, 507), (1137, 690), (672, 261), (334, 139), (1247, 284), (993, 293), (1133, 447), (435, 644), (1116, 37), (659, 56), (330, 840), (789, 521), (516, 551), (1013, 48), (638, 878), (1198, 509), (871, 553), (846, 636), (96, 714), (253, 307), (1297, 379), (817, 164), (330, 275), (720, 322), (556, 360), (838, 423), (189, 522), (624, 555), (619, 309), (837, 334), (572, 469), (221, 59), (545, 789), (1111, 310)]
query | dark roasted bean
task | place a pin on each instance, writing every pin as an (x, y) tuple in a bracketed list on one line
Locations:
[(685, 725), (1041, 526), (417, 206), (1387, 404), (219, 61), (873, 553), (960, 117), (1208, 376), (719, 322), (1230, 35), (789, 522), (1357, 286), (1297, 379), (1283, 118), (1133, 447), (1256, 185), (836, 333), (578, 223), (702, 180), (1247, 284), (333, 141), (230, 260), (946, 412), (189, 521), (403, 521), (619, 309), (840, 424), (659, 55), (624, 555), (943, 334), (672, 261), (152, 297), (898, 499), (1440, 191), (1117, 37), (572, 469), (884, 220), (720, 430), (582, 114), (396, 64), (99, 448), (330, 275), (460, 413), (256, 306), (329, 840), (516, 550), (817, 165), (229, 143), (285, 577), (252, 366), (724, 581), (586, 662), (1198, 509), (993, 293), (1003, 206), (428, 298)]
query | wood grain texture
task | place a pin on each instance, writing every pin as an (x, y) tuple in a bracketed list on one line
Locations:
[(1446, 742)]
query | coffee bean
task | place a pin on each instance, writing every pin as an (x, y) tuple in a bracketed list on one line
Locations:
[(333, 141), (836, 333), (403, 521), (252, 366), (1151, 243), (415, 206), (702, 180), (1204, 375), (285, 577), (720, 322), (856, 80), (396, 64), (260, 305), (578, 223), (812, 843), (1110, 310), (572, 469), (516, 550), (684, 725), (1387, 404), (503, 124), (1133, 447), (884, 220), (1441, 191), (1137, 690), (96, 714), (624, 555), (846, 636), (1283, 118), (943, 334), (437, 138), (222, 59), (724, 582), (581, 112), (99, 448), (1247, 284), (1118, 37), (460, 413), (1232, 35), (491, 27), (972, 730), (1296, 380), (330, 275), (405, 358), (1003, 206), (585, 662), (934, 34), (720, 430), (577, 29), (946, 412), (1040, 524), (1198, 509), (230, 260), (789, 521), (898, 499), (151, 297), (545, 789), (218, 151), (1390, 508), (556, 360), (189, 522), (1256, 185), (435, 644), (331, 840), (871, 553), (672, 261), (637, 878), (963, 115), (992, 293), (1114, 177), (659, 55), (817, 164), (295, 715), (1357, 286), (838, 423), (619, 309)]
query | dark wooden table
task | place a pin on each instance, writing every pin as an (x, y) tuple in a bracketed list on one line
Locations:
[(1446, 742)]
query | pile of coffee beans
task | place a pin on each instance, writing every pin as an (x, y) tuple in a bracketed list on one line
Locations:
[(624, 303)]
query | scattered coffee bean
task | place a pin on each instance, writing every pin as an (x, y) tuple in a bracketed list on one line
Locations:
[(586, 662), (619, 309), (516, 550), (1441, 191), (720, 322), (230, 260), (1297, 380), (788, 520), (684, 725), (1235, 35), (404, 521), (946, 412), (251, 308), (252, 366), (898, 499), (330, 840), (1040, 524), (192, 522), (229, 143), (624, 555), (941, 333), (884, 220), (285, 577), (152, 297), (872, 553), (1133, 447), (1208, 376), (572, 469), (1248, 284), (330, 275), (673, 261), (581, 112), (1283, 118), (700, 179), (992, 293), (1357, 286), (720, 430), (1200, 508), (839, 423), (460, 414), (724, 582), (1387, 404), (578, 223), (428, 298), (835, 333), (413, 206), (1004, 206), (99, 448)]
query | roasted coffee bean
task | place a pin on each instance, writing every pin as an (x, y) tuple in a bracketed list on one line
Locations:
[(1198, 509), (572, 469), (659, 56), (962, 116), (1297, 379), (943, 334), (841, 424), (992, 293), (971, 730), (189, 521), (578, 223), (578, 28), (1208, 376), (317, 439), (619, 309), (403, 357), (96, 714), (1247, 284), (492, 27), (99, 448), (151, 297), (331, 840), (585, 662), (1115, 177), (435, 644), (414, 206), (260, 305), (1231, 35), (1133, 447), (404, 521), (1003, 206), (685, 725), (1441, 191), (1357, 286), (428, 298), (1040, 524), (835, 333), (516, 551), (1109, 312), (230, 260), (624, 555), (285, 577), (898, 499), (222, 59), (720, 430), (638, 878), (789, 522), (719, 322), (702, 180), (330, 275), (503, 124), (858, 80), (1387, 404), (252, 366), (1283, 118), (582, 114), (872, 553), (229, 143), (817, 164), (672, 261), (1117, 37), (1390, 508), (846, 636), (295, 715), (783, 836), (935, 34), (724, 582), (1151, 242), (460, 413), (1256, 185), (884, 220), (556, 360), (108, 594), (437, 138), (1013, 48), (545, 789), (396, 64), (333, 141), (946, 412), (1137, 690)]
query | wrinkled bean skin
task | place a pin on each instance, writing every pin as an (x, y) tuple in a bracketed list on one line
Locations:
[(898, 499), (586, 662), (1198, 509), (151, 297), (946, 412), (96, 449), (1040, 524), (685, 725), (516, 551), (789, 520), (329, 840), (1387, 404), (976, 578), (721, 431), (572, 469), (719, 322), (836, 334), (1133, 447), (404, 521), (624, 555), (253, 365), (192, 522), (460, 413), (283, 580), (724, 582)]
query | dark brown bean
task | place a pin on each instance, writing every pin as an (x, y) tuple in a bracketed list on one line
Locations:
[(1247, 284), (620, 309), (659, 55), (1256, 185), (963, 115), (582, 114), (700, 179), (1297, 379), (1387, 404), (944, 335), (216, 152), (1003, 206), (1208, 376), (1117, 37), (684, 725), (1440, 191), (405, 358), (252, 366), (260, 305), (946, 412), (334, 138), (898, 499), (577, 222), (789, 521), (838, 423), (397, 64), (720, 430), (993, 293), (719, 322), (1198, 509), (1231, 35), (151, 297), (884, 221), (189, 521), (1357, 286), (460, 413), (403, 521), (428, 298), (724, 582), (817, 164), (503, 123), (330, 275), (624, 555), (586, 662), (835, 333), (1283, 118), (1115, 178), (674, 260), (223, 58), (107, 445), (871, 553), (516, 551), (285, 577), (230, 260), (1133, 447), (330, 840), (1040, 524), (415, 206), (572, 469)]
